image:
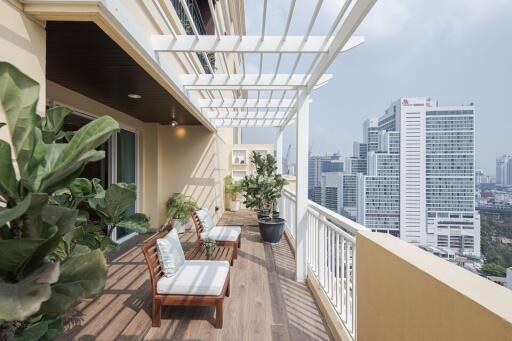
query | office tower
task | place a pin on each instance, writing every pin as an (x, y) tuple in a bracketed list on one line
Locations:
[(370, 133), (504, 170), (339, 193), (420, 179), (379, 191), (318, 165), (437, 167)]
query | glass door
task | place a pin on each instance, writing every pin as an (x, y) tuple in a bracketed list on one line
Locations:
[(119, 164), (124, 170)]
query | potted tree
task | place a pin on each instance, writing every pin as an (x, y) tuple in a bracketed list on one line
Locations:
[(233, 190), (179, 209), (261, 191)]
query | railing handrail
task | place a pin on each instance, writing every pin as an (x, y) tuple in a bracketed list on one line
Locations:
[(337, 219), (289, 193), (344, 222)]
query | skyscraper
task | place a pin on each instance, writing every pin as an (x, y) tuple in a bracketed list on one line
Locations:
[(318, 165), (504, 170), (379, 192), (420, 181)]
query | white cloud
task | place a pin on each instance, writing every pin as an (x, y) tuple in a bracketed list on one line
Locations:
[(430, 18)]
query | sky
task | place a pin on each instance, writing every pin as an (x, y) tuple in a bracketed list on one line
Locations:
[(456, 51)]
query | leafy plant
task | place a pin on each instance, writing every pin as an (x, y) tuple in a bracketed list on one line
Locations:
[(232, 188), (44, 270), (111, 209), (493, 269), (262, 189), (180, 207), (209, 244)]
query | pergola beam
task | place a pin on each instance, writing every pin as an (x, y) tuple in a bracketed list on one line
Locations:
[(248, 44), (246, 123), (341, 38), (278, 115), (245, 103), (252, 80)]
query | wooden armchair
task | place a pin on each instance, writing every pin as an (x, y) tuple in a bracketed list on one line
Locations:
[(180, 289), (223, 235)]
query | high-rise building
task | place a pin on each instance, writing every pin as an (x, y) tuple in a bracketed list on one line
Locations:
[(504, 170), (379, 191), (371, 133), (339, 193), (317, 165), (420, 181)]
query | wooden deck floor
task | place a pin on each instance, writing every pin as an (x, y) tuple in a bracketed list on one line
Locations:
[(265, 303)]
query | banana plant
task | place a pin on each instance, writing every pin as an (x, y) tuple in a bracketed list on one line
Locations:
[(38, 163)]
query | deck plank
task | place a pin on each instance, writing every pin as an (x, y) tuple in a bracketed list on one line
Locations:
[(266, 303)]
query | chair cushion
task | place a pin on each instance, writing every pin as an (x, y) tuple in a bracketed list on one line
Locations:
[(205, 218), (196, 277), (223, 233), (170, 253)]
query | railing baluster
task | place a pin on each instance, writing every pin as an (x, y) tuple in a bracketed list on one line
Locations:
[(330, 252)]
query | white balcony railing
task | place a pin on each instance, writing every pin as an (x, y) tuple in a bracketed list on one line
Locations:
[(287, 210), (331, 253)]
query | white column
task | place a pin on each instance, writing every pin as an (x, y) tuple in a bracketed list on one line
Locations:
[(301, 190), (279, 150)]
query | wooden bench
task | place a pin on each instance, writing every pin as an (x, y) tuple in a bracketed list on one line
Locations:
[(149, 250)]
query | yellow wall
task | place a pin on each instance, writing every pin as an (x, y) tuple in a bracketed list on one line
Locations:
[(405, 293), (23, 44), (185, 159)]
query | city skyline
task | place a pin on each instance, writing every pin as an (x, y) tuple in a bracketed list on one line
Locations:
[(413, 175), (405, 59)]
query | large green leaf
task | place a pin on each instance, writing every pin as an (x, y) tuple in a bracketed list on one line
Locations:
[(81, 276), (137, 222), (58, 173), (7, 175), (52, 122), (8, 214), (41, 328), (20, 300), (118, 199), (18, 97), (33, 226), (14, 252), (61, 220)]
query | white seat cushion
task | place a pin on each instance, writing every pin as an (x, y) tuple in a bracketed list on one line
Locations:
[(206, 219), (223, 233), (170, 253), (196, 277)]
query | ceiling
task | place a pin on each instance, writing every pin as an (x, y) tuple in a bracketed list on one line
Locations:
[(81, 57)]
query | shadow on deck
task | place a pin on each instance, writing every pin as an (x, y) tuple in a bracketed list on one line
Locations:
[(265, 303)]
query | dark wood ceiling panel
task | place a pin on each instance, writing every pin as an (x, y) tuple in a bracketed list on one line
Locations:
[(81, 57)]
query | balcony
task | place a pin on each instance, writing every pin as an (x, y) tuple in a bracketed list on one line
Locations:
[(265, 303), (373, 286), (192, 11)]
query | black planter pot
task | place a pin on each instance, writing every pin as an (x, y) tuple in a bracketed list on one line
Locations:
[(271, 230), (264, 215)]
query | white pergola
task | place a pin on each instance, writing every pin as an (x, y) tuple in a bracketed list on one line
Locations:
[(232, 97)]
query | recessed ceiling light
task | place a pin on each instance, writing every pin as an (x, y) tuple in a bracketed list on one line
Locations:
[(134, 96)]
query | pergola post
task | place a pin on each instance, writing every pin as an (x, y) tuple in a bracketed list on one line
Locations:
[(279, 150), (301, 191)]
